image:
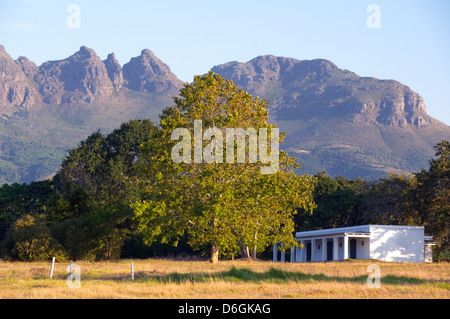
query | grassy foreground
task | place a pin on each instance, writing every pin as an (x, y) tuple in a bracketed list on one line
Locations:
[(163, 278)]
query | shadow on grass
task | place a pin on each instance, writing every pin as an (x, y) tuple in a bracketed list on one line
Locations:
[(273, 275)]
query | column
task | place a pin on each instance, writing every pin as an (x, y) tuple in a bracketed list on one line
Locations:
[(335, 248), (345, 247), (313, 249), (292, 255), (324, 249), (282, 259), (299, 253), (275, 252), (303, 251)]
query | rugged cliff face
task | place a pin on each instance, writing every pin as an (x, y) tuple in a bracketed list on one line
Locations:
[(114, 70), (298, 88), (338, 121), (16, 85), (82, 77), (293, 87)]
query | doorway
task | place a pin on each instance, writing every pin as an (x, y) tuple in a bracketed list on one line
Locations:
[(353, 248), (329, 250), (308, 252)]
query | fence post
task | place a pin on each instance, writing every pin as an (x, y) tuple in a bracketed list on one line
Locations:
[(51, 269), (132, 272)]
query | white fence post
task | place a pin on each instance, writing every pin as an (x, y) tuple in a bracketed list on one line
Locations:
[(51, 269), (132, 272)]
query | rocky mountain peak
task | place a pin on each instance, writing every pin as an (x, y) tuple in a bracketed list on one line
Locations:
[(147, 73), (28, 67), (86, 52), (294, 88), (148, 53), (82, 77), (114, 70)]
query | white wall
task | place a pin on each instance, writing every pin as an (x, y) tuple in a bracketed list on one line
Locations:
[(362, 251), (318, 251), (397, 243)]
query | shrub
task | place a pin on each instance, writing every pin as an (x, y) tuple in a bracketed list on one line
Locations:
[(444, 256), (29, 239)]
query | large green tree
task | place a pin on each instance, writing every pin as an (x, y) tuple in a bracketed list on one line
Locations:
[(97, 183), (213, 199)]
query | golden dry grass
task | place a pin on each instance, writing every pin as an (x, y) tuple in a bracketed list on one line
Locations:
[(163, 278)]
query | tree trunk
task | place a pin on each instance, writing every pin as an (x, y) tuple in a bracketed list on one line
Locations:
[(244, 252), (214, 253), (254, 247), (214, 246), (254, 253)]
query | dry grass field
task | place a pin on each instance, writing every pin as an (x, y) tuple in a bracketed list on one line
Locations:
[(168, 279)]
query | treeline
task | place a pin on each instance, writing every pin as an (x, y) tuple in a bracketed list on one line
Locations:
[(93, 219), (121, 196)]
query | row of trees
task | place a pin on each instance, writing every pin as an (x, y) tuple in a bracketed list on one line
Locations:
[(122, 195)]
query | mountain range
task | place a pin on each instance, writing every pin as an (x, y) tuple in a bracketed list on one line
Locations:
[(335, 120)]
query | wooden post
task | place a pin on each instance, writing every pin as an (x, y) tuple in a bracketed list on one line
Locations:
[(70, 272), (132, 272), (51, 269)]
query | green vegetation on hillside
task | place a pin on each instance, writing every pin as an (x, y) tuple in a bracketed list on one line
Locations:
[(34, 142)]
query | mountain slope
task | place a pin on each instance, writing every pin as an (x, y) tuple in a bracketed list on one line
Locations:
[(335, 120), (338, 121), (46, 110)]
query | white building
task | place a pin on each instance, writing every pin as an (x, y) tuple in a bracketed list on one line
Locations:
[(379, 242)]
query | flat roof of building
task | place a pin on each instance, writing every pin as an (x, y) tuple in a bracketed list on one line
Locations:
[(362, 229)]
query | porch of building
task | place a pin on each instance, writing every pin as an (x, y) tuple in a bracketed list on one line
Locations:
[(327, 247)]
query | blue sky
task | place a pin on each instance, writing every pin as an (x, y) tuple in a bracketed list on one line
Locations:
[(411, 46)]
